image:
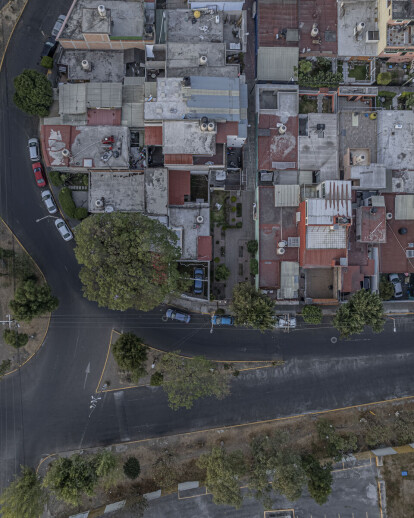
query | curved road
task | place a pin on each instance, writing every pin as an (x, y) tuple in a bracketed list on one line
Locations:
[(45, 406)]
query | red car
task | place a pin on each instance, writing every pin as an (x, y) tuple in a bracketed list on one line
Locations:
[(38, 173)]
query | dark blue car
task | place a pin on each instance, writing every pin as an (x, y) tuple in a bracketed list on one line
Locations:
[(198, 281)]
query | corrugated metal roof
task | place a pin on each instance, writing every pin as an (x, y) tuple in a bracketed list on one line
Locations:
[(287, 195), (276, 63), (133, 115), (289, 280), (72, 98), (104, 95), (133, 93), (404, 206)]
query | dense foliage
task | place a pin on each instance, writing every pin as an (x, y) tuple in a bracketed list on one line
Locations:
[(24, 497), (130, 354), (132, 468), (312, 314), (32, 299), (14, 338), (252, 308), (33, 93)]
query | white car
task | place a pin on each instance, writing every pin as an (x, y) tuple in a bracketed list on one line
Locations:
[(395, 279), (34, 149), (63, 229), (49, 202), (58, 25)]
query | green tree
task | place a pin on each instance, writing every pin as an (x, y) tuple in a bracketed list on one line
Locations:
[(32, 300), (71, 477), (386, 290), (4, 367), (259, 475), (132, 468), (24, 497), (363, 309), (130, 354), (46, 62), (289, 475), (105, 462), (129, 260), (305, 66), (252, 308), (221, 272), (14, 338), (254, 266), (337, 445), (156, 379), (33, 93), (164, 471), (319, 478), (186, 380), (223, 472), (312, 314), (384, 78), (252, 247)]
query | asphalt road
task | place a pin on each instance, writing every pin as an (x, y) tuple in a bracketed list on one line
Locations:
[(45, 406)]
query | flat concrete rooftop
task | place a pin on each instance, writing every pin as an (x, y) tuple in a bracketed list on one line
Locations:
[(184, 56), (123, 191), (186, 137), (186, 219), (281, 100), (156, 191), (395, 143), (356, 131), (106, 66), (180, 27), (123, 18), (350, 15)]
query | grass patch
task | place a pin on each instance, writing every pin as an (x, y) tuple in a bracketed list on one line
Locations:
[(388, 97), (307, 104), (359, 72)]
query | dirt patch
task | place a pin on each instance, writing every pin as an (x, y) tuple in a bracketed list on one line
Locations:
[(112, 378), (399, 489), (13, 263), (186, 448)]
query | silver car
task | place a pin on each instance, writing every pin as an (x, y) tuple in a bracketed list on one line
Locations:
[(395, 279), (58, 25), (49, 202), (34, 149), (63, 229)]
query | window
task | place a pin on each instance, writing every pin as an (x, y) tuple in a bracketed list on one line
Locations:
[(409, 254)]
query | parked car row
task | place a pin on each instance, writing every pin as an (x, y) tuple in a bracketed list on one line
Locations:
[(50, 45), (216, 320), (47, 197)]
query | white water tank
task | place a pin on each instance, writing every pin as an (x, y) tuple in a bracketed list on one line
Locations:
[(204, 126), (200, 219), (282, 244), (99, 203), (360, 27), (315, 30), (282, 129), (102, 11), (203, 60), (280, 251), (211, 126), (86, 65), (66, 153), (389, 215)]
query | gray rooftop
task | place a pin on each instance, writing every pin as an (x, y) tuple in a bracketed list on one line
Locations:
[(277, 63), (404, 206), (395, 144), (402, 10), (218, 98), (87, 145), (156, 191), (280, 100), (351, 13), (123, 18), (106, 66), (185, 218), (184, 60), (318, 150), (403, 182), (78, 97), (357, 131), (180, 27), (133, 103), (186, 137), (372, 176), (124, 191)]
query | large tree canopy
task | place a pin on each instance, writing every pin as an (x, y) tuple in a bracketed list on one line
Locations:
[(129, 260), (252, 308), (33, 93), (363, 309)]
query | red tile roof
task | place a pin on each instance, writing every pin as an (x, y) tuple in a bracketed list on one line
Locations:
[(178, 186), (53, 140), (351, 280), (373, 225), (224, 129), (178, 159), (324, 13), (273, 17), (153, 135), (276, 147), (205, 248), (393, 257), (97, 117)]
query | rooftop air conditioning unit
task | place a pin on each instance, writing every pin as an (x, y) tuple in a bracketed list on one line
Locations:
[(102, 11)]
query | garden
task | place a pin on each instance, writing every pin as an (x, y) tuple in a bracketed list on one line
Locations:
[(67, 183), (317, 73)]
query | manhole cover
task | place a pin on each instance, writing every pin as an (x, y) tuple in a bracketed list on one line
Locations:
[(334, 339)]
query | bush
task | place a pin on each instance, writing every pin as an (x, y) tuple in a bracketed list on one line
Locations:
[(252, 247), (81, 213), (386, 290), (132, 468), (305, 67), (221, 272), (33, 93), (46, 62), (337, 446), (156, 379), (55, 179), (384, 78), (312, 314), (217, 259), (4, 367), (32, 300), (67, 203), (233, 199), (254, 266), (130, 354), (233, 209), (14, 338)]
